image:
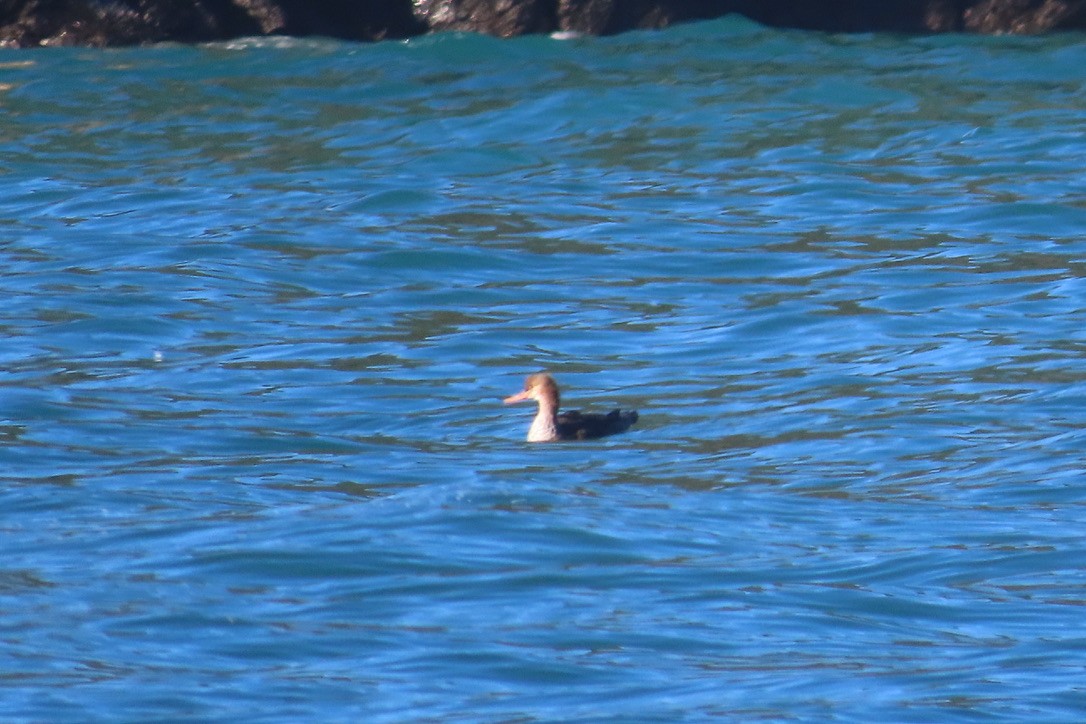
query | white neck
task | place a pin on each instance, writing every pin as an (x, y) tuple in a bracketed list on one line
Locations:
[(543, 427)]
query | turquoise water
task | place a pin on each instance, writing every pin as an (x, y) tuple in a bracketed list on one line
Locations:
[(262, 300)]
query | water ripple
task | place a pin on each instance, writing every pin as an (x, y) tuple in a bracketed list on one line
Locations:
[(263, 301)]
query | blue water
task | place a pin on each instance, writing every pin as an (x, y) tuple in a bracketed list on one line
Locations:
[(262, 300)]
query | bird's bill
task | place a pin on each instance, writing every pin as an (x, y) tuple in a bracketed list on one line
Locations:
[(519, 397)]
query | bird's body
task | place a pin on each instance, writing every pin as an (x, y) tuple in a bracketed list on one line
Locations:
[(550, 425)]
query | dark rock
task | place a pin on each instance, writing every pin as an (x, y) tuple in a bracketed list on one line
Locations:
[(346, 19), (591, 17), (606, 17), (918, 16), (1024, 16), (127, 22), (79, 22), (504, 18), (124, 22), (943, 16)]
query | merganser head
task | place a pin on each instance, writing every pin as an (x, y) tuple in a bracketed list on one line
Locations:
[(539, 387)]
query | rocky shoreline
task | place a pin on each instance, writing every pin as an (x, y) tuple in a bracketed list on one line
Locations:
[(34, 23)]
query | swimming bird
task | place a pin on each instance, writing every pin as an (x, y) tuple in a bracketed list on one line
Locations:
[(550, 425)]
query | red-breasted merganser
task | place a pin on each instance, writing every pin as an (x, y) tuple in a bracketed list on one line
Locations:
[(549, 425)]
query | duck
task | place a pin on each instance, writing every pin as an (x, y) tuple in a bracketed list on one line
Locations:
[(550, 425)]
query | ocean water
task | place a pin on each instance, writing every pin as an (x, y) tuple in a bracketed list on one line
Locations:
[(262, 299)]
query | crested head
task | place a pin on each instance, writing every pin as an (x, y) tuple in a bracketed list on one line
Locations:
[(540, 387), (543, 384)]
